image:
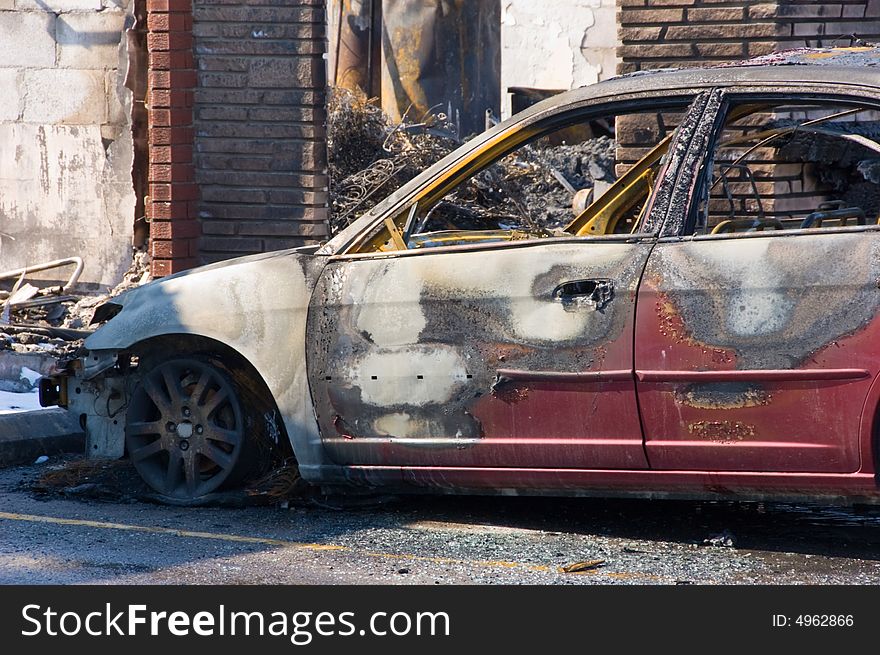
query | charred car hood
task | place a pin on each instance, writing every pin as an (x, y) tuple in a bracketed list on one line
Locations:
[(227, 300)]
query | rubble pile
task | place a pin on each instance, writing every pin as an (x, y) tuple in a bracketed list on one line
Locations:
[(60, 327), (370, 157), (523, 190)]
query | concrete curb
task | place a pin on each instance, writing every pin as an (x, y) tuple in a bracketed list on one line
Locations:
[(24, 436)]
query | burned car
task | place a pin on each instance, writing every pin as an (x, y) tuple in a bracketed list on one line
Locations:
[(704, 322)]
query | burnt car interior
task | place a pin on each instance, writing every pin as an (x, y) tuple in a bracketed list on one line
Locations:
[(594, 184), (809, 165)]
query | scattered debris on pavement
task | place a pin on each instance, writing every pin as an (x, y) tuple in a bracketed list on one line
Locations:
[(93, 479), (581, 567), (723, 540), (117, 480)]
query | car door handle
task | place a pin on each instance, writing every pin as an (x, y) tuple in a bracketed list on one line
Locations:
[(592, 293)]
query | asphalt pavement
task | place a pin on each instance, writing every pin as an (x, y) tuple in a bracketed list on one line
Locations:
[(62, 538)]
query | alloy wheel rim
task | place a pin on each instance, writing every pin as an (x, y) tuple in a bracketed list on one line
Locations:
[(184, 429)]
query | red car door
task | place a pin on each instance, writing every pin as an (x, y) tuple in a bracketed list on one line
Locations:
[(757, 353), (758, 333)]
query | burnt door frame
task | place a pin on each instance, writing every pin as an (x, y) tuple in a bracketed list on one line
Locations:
[(712, 400)]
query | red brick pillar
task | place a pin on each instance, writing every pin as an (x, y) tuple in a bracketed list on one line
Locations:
[(172, 204)]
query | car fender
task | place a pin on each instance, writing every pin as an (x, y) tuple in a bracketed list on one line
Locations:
[(255, 305)]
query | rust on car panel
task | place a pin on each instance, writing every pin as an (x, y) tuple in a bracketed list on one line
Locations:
[(723, 431), (445, 330), (778, 331), (724, 395), (508, 392)]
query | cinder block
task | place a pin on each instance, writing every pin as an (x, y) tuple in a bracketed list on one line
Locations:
[(10, 99), (27, 39), (65, 97), (58, 6), (118, 98), (90, 39)]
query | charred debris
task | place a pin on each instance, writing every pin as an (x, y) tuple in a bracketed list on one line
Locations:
[(55, 319), (372, 156)]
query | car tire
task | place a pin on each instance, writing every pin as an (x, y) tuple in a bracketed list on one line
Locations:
[(192, 428)]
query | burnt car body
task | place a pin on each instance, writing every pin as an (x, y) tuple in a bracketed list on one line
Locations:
[(668, 359)]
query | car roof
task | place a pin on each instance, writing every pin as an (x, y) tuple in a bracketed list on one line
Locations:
[(857, 66)]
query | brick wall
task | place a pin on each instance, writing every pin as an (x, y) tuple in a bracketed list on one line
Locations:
[(688, 33), (260, 149), (172, 202), (236, 118), (664, 33)]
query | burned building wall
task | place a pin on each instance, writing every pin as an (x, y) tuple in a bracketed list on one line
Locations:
[(65, 128), (555, 45), (419, 58), (259, 148)]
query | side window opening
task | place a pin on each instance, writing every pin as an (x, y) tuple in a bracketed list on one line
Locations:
[(792, 166), (594, 177)]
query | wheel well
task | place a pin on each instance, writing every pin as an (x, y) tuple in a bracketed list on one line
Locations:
[(238, 366)]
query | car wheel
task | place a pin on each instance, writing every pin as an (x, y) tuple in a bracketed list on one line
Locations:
[(185, 429)]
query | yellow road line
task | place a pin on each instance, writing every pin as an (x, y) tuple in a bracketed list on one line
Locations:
[(103, 525), (313, 547), (33, 518)]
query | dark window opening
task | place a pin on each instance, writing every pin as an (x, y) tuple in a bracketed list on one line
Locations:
[(809, 166)]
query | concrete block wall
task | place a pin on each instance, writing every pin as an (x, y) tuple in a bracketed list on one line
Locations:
[(65, 135), (260, 148), (556, 45)]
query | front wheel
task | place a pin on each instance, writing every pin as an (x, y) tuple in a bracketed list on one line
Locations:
[(185, 428)]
